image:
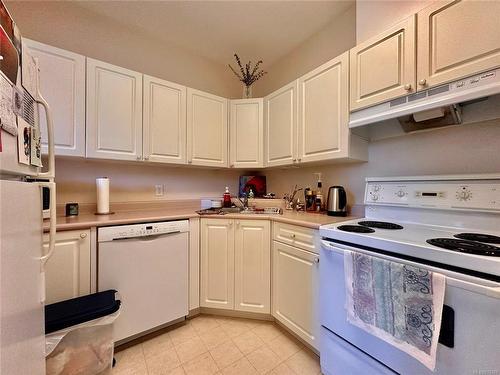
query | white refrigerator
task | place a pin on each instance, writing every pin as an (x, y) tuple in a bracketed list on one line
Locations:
[(22, 258)]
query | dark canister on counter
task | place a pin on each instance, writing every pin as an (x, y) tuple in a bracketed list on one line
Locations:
[(310, 200), (71, 209)]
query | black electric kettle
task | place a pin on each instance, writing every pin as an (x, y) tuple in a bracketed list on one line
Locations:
[(337, 201)]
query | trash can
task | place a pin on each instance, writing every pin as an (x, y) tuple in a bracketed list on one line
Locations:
[(79, 334)]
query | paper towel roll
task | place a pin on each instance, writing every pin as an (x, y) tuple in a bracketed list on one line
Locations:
[(102, 185)]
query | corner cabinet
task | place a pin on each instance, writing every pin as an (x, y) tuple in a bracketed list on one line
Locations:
[(235, 265), (457, 39), (384, 67), (281, 116), (323, 126), (62, 83), (246, 133), (164, 121), (114, 112), (68, 271), (207, 129)]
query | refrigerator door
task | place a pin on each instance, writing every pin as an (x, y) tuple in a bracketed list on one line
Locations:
[(22, 342)]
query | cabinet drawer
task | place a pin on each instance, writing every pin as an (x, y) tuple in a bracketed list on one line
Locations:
[(303, 238)]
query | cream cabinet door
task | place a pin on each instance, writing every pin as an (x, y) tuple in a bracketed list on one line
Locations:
[(252, 275), (67, 272), (62, 83), (281, 125), (217, 264), (383, 67), (295, 291), (324, 111), (207, 129), (457, 39), (246, 131), (114, 112), (164, 121)]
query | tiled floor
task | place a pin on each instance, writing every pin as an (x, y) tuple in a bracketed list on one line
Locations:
[(209, 345)]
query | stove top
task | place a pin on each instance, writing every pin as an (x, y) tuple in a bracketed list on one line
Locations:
[(465, 246), (355, 229), (417, 240), (480, 237), (380, 224)]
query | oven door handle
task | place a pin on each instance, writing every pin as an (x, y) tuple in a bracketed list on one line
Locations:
[(457, 280)]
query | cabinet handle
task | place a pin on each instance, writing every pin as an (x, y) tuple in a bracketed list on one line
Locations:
[(422, 82), (190, 161), (292, 235), (139, 158), (294, 160), (238, 223), (83, 235), (146, 157), (299, 160), (232, 165), (316, 260), (408, 87)]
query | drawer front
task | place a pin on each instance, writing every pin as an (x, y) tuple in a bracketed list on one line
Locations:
[(303, 238)]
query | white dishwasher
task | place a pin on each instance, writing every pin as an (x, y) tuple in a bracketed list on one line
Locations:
[(148, 265)]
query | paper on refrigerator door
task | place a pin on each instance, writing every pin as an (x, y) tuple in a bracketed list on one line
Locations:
[(36, 147), (30, 72), (7, 115), (24, 141)]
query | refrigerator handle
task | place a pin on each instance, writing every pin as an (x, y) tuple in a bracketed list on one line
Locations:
[(50, 173), (52, 228)]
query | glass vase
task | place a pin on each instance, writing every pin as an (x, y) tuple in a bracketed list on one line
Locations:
[(247, 92)]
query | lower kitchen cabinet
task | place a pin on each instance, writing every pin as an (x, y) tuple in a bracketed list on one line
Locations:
[(252, 267), (295, 291), (68, 271), (217, 264), (235, 265)]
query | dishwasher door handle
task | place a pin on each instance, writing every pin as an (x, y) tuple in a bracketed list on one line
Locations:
[(147, 237)]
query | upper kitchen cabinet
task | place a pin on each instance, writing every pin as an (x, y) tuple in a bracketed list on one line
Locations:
[(164, 121), (457, 39), (324, 113), (246, 133), (62, 83), (114, 112), (207, 129), (383, 67), (281, 125)]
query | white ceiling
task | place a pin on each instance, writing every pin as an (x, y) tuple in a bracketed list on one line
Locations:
[(264, 30)]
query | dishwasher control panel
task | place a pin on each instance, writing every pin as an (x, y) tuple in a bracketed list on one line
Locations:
[(142, 230)]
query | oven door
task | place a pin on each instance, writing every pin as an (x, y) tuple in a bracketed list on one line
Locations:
[(470, 329)]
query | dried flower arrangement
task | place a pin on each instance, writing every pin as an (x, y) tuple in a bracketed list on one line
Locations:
[(248, 75)]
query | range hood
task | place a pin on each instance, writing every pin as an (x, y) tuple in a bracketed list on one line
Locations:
[(469, 100)]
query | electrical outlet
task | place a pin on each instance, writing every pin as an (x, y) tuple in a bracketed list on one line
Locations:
[(159, 190)]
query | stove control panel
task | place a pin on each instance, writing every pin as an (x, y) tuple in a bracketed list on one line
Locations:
[(480, 194)]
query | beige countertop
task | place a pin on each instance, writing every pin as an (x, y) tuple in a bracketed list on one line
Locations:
[(88, 220)]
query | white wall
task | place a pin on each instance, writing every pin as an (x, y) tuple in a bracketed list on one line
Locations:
[(132, 181), (337, 37), (66, 25), (453, 150)]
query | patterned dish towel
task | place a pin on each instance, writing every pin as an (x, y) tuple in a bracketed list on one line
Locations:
[(397, 303)]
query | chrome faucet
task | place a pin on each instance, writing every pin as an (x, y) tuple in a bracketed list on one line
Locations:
[(290, 198), (244, 202)]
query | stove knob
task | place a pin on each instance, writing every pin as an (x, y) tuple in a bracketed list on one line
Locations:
[(464, 194), (375, 197), (400, 193), (376, 187)]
